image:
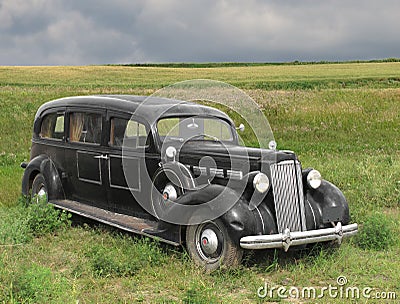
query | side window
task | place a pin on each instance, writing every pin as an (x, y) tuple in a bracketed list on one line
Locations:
[(217, 128), (168, 127), (52, 126), (85, 127), (133, 132)]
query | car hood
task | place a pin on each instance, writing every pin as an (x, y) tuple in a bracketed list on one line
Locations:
[(228, 156)]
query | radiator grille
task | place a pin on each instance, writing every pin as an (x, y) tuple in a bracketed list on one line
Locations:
[(287, 188)]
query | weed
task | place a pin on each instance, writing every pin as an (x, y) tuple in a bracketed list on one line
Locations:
[(376, 233), (105, 263), (7, 159), (37, 284), (14, 227), (123, 256), (43, 218), (20, 223), (199, 294), (33, 283)]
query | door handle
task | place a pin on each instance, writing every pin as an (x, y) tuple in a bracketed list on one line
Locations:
[(101, 156)]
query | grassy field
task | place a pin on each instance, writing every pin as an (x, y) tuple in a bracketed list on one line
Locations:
[(343, 119)]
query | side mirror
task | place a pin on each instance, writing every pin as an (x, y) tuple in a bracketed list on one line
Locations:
[(240, 128)]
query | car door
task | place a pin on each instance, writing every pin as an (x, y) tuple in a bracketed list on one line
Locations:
[(136, 157), (85, 158)]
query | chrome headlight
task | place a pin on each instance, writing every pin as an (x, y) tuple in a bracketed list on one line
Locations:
[(261, 182), (314, 179)]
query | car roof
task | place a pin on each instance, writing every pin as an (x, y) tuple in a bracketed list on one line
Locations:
[(148, 107)]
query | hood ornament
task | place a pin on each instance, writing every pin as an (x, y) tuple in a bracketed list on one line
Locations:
[(272, 145)]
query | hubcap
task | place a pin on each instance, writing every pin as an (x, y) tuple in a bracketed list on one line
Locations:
[(209, 242), (41, 195), (42, 192), (170, 193)]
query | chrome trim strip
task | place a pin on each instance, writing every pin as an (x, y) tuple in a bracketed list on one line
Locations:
[(313, 213), (234, 174), (288, 162), (216, 172), (287, 239), (261, 218)]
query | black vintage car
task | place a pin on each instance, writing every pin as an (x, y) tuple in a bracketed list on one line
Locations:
[(175, 171)]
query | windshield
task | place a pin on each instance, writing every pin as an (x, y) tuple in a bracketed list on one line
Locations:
[(194, 128)]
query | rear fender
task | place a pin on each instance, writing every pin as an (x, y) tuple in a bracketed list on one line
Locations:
[(44, 165)]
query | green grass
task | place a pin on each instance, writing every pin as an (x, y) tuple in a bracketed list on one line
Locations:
[(342, 119)]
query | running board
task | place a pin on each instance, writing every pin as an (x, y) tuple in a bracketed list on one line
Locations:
[(120, 221)]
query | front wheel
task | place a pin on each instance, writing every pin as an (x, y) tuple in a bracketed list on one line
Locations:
[(210, 246), (39, 189)]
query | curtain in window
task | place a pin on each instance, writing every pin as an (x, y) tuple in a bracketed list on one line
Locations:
[(47, 126), (76, 121)]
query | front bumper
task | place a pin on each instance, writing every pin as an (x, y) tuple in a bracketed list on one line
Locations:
[(287, 239)]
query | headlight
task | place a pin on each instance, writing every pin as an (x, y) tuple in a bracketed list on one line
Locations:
[(261, 182), (170, 152), (314, 179)]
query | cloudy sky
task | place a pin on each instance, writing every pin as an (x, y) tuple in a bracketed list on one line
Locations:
[(77, 32)]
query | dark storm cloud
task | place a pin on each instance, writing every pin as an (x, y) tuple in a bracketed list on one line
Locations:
[(36, 32)]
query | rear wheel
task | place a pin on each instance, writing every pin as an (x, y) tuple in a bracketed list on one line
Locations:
[(39, 189), (210, 246)]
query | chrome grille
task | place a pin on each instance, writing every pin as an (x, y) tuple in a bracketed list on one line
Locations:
[(287, 188)]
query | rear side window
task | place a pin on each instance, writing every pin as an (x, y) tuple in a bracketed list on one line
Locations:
[(133, 132), (85, 127), (52, 126)]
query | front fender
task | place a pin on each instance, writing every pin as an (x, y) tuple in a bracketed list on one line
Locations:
[(239, 219), (181, 172), (201, 198), (44, 165), (326, 204)]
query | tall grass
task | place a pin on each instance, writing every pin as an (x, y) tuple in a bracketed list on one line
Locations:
[(275, 77), (341, 119)]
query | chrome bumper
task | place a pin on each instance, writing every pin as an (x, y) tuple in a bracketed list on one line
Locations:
[(286, 239)]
